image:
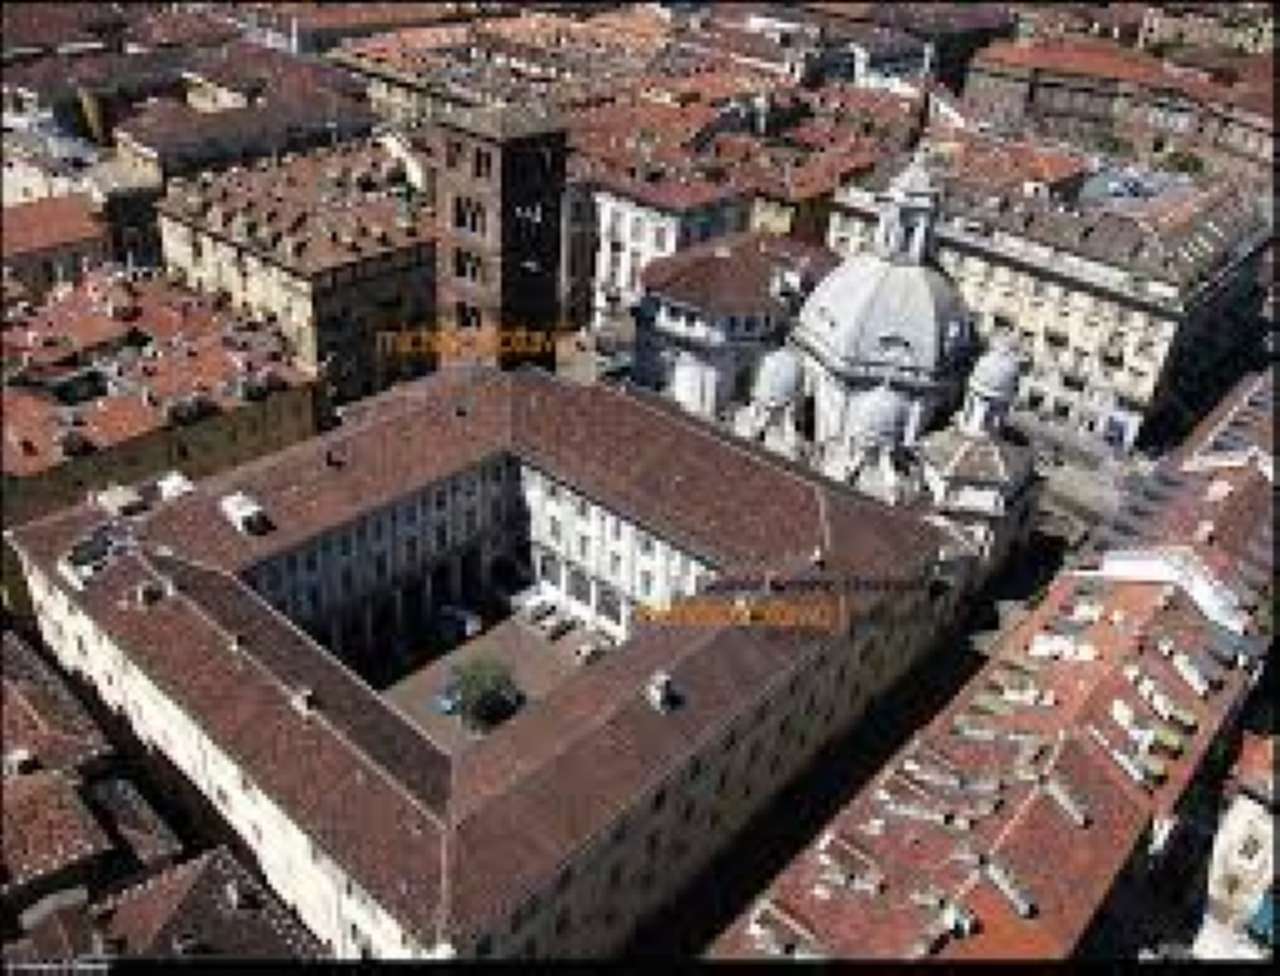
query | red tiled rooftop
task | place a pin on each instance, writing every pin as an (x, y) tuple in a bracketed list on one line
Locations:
[(195, 350), (31, 228), (47, 829), (1066, 870), (41, 716), (1255, 768), (191, 901)]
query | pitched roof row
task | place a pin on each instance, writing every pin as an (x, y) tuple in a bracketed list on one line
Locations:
[(999, 829)]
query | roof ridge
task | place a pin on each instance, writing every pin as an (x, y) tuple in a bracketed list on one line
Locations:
[(182, 877), (275, 679)]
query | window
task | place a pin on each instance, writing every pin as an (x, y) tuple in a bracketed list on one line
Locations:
[(483, 164), (579, 586), (467, 266), (442, 537), (584, 546), (467, 316), (659, 800), (660, 239), (452, 153), (553, 528), (615, 564), (646, 583)]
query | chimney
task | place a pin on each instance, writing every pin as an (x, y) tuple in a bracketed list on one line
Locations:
[(660, 691)]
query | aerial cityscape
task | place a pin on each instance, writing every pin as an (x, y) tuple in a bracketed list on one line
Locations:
[(638, 481)]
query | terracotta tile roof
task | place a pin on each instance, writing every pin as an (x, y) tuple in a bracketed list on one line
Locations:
[(32, 228), (671, 191), (184, 28), (1254, 770), (906, 834), (47, 829), (48, 25), (42, 716), (734, 275), (255, 69), (1236, 423), (183, 137), (62, 934), (375, 795), (1007, 163), (354, 16), (56, 78), (207, 906), (1098, 58), (97, 329), (286, 211)]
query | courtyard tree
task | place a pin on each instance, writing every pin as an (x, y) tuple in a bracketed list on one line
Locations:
[(1180, 161), (486, 691)]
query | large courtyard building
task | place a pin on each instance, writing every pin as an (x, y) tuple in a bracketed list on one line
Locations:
[(218, 622)]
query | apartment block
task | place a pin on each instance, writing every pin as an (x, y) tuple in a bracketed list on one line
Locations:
[(333, 247), (1128, 313)]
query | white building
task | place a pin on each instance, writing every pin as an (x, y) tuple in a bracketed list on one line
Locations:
[(640, 220), (876, 358)]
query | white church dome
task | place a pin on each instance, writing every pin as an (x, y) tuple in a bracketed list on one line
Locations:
[(777, 378), (878, 415), (996, 373), (872, 310)]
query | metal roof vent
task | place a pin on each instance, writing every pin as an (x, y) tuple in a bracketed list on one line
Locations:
[(19, 761), (303, 701), (149, 593), (661, 693), (245, 514)]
